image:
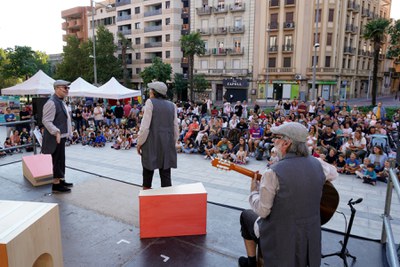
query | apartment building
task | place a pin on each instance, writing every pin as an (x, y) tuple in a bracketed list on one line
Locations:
[(285, 47), (227, 28), (76, 23)]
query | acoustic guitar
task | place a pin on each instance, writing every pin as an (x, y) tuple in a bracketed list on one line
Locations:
[(329, 199)]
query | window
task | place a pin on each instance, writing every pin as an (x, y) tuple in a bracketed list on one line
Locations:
[(138, 70), (137, 25), (288, 40), (220, 64), (167, 37), (319, 15), (238, 22), (272, 62), (236, 64), (327, 61), (167, 4), (287, 62), (344, 64), (221, 22), (237, 45), (289, 16), (167, 21), (272, 41), (137, 55), (329, 39), (204, 64), (331, 14), (137, 10), (349, 63), (137, 41), (167, 54)]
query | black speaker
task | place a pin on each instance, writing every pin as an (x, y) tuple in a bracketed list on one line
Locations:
[(37, 109)]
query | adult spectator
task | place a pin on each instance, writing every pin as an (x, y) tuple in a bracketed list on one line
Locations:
[(118, 113), (328, 138), (359, 146), (57, 128), (238, 109), (286, 107), (98, 114), (302, 108), (378, 158), (78, 119), (127, 109), (24, 115), (9, 117), (158, 135), (109, 115), (256, 108), (242, 125), (379, 112)]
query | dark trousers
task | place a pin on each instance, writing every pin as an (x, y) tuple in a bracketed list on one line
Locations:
[(165, 176), (58, 158), (247, 220)]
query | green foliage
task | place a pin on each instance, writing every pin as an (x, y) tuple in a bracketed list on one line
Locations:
[(22, 62), (394, 44), (180, 83), (6, 82), (158, 71), (375, 31), (200, 83), (124, 44)]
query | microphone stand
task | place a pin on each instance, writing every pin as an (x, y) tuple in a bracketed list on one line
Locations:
[(344, 252)]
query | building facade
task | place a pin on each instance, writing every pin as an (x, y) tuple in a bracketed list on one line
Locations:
[(227, 28), (76, 22), (286, 45)]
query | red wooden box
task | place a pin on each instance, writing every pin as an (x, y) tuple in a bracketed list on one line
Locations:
[(173, 211)]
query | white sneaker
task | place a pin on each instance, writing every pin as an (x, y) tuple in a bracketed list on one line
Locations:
[(205, 157)]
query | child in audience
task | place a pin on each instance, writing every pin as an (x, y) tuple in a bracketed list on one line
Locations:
[(352, 164), (100, 140), (209, 150), (369, 175), (340, 164), (241, 156), (384, 174), (332, 156)]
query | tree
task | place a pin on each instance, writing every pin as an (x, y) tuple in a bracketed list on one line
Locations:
[(157, 71), (394, 44), (124, 44), (192, 45), (375, 31), (200, 83), (4, 81), (108, 65), (76, 61), (180, 85), (23, 62)]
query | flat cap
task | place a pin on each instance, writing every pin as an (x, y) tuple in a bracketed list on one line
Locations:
[(293, 130), (159, 87), (60, 83)]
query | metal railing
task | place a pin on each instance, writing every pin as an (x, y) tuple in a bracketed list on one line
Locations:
[(387, 233), (32, 125)]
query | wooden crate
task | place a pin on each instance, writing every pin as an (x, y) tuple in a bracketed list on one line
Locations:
[(30, 234), (173, 211), (38, 169)]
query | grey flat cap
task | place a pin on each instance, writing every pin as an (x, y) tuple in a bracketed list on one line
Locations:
[(60, 83), (159, 87), (294, 130)]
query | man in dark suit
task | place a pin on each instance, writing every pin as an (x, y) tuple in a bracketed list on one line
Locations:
[(158, 135), (57, 127)]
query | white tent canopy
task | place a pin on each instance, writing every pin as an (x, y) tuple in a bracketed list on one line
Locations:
[(114, 90), (38, 84), (80, 87)]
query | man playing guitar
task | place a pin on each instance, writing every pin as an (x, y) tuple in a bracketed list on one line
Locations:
[(285, 216)]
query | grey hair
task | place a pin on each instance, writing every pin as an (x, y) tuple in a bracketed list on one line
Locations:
[(298, 148)]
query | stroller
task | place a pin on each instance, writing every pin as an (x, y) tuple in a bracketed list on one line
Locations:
[(382, 141)]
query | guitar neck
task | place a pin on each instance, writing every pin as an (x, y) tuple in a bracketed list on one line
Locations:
[(245, 171)]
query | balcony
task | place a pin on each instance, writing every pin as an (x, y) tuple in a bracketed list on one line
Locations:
[(124, 17), (219, 51), (204, 32), (125, 31), (74, 24), (154, 12), (225, 72), (148, 60), (287, 48), (289, 25), (274, 25), (153, 44), (352, 6), (220, 9), (64, 26), (122, 2), (203, 11), (350, 28), (235, 51), (362, 52), (290, 2), (185, 12), (273, 49), (365, 12), (324, 70), (221, 31), (185, 29), (278, 70), (236, 29), (349, 50), (274, 3), (238, 7), (153, 28), (207, 53)]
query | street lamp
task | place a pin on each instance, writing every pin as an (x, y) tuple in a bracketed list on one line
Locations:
[(92, 5), (316, 45), (266, 69)]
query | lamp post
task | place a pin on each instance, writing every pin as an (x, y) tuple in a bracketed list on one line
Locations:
[(94, 45), (266, 69), (316, 45)]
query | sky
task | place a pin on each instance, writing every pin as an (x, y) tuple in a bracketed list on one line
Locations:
[(37, 24)]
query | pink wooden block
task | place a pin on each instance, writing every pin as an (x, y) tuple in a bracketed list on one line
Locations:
[(38, 169), (173, 211)]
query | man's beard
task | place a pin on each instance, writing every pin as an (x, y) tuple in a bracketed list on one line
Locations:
[(278, 150)]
